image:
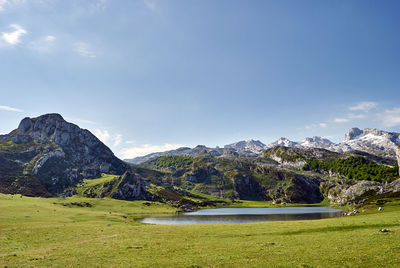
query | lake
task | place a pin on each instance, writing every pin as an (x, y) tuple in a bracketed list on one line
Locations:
[(245, 215)]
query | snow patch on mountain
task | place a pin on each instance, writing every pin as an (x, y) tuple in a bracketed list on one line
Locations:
[(254, 146)]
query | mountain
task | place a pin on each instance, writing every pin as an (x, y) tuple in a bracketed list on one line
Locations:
[(46, 154), (316, 142), (199, 150), (369, 140), (254, 146), (283, 142)]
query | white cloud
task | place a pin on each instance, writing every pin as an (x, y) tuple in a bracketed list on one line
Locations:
[(102, 135), (117, 139), (341, 120), (43, 44), (10, 109), (356, 116), (84, 50), (391, 117), (106, 137), (14, 37), (3, 3), (6, 3), (79, 120), (147, 149), (129, 142), (151, 5), (364, 106), (312, 126)]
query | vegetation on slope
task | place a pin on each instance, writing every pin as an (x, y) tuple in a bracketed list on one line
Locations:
[(172, 162), (358, 168)]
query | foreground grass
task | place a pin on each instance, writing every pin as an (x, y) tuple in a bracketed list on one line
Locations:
[(59, 232)]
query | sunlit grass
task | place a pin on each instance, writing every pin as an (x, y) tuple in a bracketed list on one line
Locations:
[(58, 232)]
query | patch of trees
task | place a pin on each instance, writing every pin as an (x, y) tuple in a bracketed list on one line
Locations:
[(176, 161), (357, 168)]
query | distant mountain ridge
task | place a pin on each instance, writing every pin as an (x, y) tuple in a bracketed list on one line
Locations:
[(370, 140)]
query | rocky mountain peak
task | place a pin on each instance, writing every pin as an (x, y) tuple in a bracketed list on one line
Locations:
[(255, 146), (316, 142), (352, 134), (59, 153)]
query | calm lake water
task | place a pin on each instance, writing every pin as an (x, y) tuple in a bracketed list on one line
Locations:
[(243, 215)]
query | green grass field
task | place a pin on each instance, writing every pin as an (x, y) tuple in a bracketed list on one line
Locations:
[(84, 232)]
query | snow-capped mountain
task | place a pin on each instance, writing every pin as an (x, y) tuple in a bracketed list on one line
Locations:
[(283, 142), (315, 142), (369, 140), (254, 146)]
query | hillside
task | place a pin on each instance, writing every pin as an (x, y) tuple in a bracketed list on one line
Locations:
[(47, 156)]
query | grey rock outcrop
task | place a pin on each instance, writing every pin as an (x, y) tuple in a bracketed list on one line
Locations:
[(342, 191), (352, 134), (398, 157), (132, 187)]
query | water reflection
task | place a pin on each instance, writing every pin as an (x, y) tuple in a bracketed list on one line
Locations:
[(245, 215)]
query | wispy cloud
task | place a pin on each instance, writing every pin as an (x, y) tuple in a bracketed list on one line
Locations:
[(364, 106), (107, 138), (14, 37), (319, 125), (102, 135), (147, 149), (391, 117), (10, 109), (43, 44), (80, 120), (117, 139), (341, 120), (358, 111), (356, 116), (3, 3), (84, 49)]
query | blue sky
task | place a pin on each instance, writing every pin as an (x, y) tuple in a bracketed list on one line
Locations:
[(150, 75)]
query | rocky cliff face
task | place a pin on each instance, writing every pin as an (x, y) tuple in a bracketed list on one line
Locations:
[(57, 153), (398, 157)]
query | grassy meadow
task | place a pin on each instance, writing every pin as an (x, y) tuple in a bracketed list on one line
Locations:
[(84, 232)]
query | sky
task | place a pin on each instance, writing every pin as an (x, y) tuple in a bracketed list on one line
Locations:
[(152, 75)]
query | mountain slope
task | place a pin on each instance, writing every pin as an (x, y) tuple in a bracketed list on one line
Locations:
[(46, 154)]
